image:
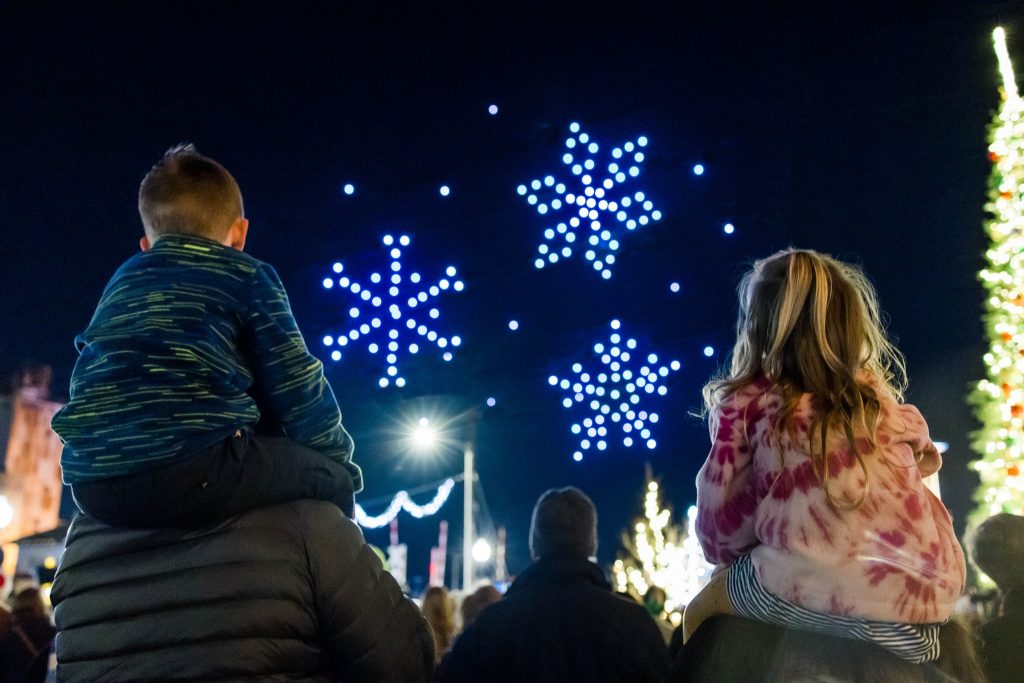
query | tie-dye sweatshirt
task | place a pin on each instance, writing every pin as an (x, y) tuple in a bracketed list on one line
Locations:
[(893, 558)]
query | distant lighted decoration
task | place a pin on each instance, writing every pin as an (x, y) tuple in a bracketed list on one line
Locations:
[(591, 211), (402, 501), (661, 554), (613, 393), (349, 188), (492, 109), (393, 322), (999, 398)]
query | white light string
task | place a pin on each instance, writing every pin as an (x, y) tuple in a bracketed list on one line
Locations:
[(402, 501)]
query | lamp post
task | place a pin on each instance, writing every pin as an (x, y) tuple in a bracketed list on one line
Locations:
[(425, 436), (467, 516)]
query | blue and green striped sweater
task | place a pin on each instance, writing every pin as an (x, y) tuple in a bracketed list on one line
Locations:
[(190, 341)]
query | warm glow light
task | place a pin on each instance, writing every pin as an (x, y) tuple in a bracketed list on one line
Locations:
[(481, 550), (999, 398)]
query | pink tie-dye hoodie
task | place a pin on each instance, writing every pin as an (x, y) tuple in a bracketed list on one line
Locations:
[(894, 558)]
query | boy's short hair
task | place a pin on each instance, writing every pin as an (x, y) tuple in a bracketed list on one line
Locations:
[(564, 523), (186, 193)]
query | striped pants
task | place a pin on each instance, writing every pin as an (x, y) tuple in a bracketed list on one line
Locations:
[(917, 643)]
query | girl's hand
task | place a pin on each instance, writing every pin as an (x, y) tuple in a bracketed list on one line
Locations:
[(928, 460)]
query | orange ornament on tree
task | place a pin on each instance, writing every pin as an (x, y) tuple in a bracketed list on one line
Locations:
[(1012, 471), (1016, 410)]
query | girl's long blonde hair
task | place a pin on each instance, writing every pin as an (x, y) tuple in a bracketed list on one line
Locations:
[(810, 323)]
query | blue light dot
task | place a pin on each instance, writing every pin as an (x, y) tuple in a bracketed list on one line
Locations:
[(445, 190), (328, 283), (328, 340), (728, 228), (574, 127), (698, 169), (674, 287), (337, 267), (642, 141), (709, 351), (335, 355), (388, 240), (492, 110), (456, 340), (513, 325), (491, 402), (400, 382), (577, 456), (404, 240), (383, 382), (567, 158), (656, 215), (539, 263), (447, 357), (349, 188), (549, 181), (521, 190), (567, 402)]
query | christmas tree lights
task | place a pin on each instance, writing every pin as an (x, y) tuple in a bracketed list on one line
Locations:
[(999, 398), (662, 554)]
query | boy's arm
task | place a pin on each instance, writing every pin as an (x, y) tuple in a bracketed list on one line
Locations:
[(294, 390), (726, 498)]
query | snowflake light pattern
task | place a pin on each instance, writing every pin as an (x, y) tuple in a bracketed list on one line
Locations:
[(393, 322), (613, 393), (592, 198)]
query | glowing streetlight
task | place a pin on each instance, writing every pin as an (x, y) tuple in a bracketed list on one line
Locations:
[(425, 437), (481, 550)]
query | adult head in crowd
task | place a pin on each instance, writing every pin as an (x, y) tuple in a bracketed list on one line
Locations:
[(31, 622), (560, 620), (288, 592), (997, 548), (476, 602), (729, 649), (439, 613)]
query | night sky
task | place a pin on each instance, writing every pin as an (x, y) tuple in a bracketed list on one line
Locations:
[(861, 133)]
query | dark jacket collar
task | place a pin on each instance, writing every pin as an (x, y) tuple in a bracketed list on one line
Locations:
[(560, 569)]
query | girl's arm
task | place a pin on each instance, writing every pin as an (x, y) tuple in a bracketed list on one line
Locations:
[(726, 496)]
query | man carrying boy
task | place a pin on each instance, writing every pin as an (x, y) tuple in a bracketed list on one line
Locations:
[(192, 345)]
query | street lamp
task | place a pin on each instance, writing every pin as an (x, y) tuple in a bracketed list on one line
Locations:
[(425, 437)]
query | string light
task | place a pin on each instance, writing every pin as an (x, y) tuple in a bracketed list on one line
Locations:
[(402, 501), (590, 210), (349, 189), (390, 321)]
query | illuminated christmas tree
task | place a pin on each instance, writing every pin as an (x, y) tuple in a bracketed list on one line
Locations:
[(662, 554), (999, 398)]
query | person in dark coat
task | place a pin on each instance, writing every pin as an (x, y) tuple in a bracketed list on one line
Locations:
[(285, 593), (30, 621), (997, 548), (560, 620)]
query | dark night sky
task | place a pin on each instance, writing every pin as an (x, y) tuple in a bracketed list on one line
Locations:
[(860, 132)]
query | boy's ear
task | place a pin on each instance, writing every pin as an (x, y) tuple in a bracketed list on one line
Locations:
[(236, 234), (145, 244)]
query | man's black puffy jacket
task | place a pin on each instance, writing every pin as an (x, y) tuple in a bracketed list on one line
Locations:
[(285, 593)]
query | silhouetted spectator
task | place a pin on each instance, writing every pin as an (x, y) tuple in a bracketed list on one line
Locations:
[(654, 603), (288, 592), (997, 548), (476, 602), (16, 650), (31, 622), (727, 649), (560, 620), (438, 611)]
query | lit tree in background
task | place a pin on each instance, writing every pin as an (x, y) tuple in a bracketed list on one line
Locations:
[(662, 554), (999, 398)]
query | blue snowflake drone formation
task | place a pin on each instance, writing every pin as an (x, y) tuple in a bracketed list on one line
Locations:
[(613, 395), (393, 322), (593, 209)]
